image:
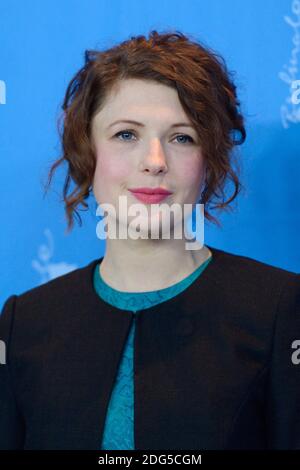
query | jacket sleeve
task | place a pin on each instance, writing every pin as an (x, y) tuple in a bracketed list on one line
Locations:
[(12, 430), (283, 397)]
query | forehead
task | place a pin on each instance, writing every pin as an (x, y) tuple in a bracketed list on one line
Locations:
[(140, 99)]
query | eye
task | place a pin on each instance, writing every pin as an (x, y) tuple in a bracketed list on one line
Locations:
[(128, 131), (184, 135)]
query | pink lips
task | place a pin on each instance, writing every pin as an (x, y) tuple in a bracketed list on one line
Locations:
[(150, 195)]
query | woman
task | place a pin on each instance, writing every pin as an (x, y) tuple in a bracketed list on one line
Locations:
[(153, 346)]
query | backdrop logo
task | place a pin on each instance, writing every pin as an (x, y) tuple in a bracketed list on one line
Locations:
[(2, 92), (46, 268), (290, 111)]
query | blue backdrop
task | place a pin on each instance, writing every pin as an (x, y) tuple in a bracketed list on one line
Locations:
[(42, 45)]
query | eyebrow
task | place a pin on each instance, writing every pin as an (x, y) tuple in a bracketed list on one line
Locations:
[(178, 124)]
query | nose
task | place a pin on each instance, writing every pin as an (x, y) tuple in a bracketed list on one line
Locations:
[(154, 160)]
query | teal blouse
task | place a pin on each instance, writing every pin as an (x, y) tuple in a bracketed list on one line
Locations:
[(119, 423)]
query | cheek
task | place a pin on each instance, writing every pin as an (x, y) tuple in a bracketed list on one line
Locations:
[(110, 173), (111, 170), (190, 174)]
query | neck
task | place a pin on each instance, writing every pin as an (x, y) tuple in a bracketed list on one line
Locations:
[(146, 265)]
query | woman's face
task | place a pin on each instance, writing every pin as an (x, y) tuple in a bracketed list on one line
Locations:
[(154, 153)]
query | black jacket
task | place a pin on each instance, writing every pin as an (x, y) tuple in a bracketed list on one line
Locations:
[(214, 366)]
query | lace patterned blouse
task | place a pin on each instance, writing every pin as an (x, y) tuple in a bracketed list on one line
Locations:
[(119, 424)]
